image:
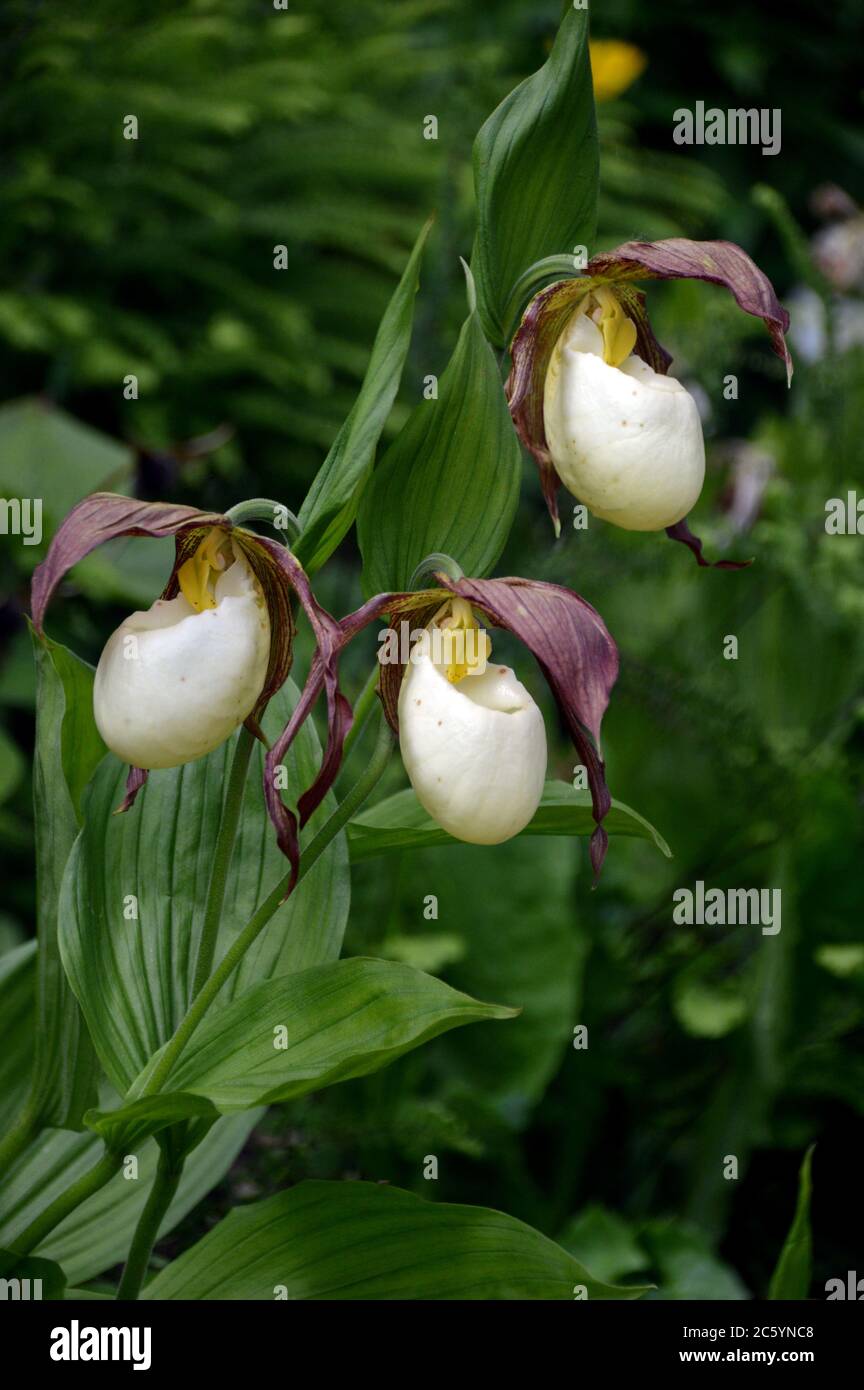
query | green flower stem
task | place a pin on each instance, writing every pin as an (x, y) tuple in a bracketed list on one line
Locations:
[(25, 1129), (162, 1193), (265, 509), (256, 924), (60, 1208), (362, 710), (231, 809)]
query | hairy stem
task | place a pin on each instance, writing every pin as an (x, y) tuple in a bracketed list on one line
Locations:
[(165, 1183), (231, 809), (256, 924), (60, 1208)]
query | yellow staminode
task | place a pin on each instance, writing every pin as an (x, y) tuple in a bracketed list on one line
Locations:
[(619, 332), (465, 647), (614, 67), (197, 575)]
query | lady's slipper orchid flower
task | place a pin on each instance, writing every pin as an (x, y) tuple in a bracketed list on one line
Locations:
[(624, 439), (472, 739), (589, 392), (175, 682), (575, 653)]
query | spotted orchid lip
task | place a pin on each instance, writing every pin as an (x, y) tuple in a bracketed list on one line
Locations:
[(677, 258)]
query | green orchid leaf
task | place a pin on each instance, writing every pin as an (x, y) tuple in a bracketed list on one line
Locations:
[(302, 1032), (450, 481), (127, 1127), (136, 885), (793, 1272), (331, 503), (68, 750), (96, 1236), (17, 994), (536, 169), (359, 1240), (400, 822), (30, 1278)]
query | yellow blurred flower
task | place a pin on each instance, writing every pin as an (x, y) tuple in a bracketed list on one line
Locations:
[(615, 66)]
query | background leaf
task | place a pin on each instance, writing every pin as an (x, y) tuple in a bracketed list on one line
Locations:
[(794, 1269), (536, 172), (133, 977), (528, 948), (363, 1241), (686, 1264), (450, 481), (33, 435)]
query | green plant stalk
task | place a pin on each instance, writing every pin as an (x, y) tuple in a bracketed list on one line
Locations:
[(160, 1197), (60, 1208), (362, 711), (231, 810), (256, 924), (23, 1131)]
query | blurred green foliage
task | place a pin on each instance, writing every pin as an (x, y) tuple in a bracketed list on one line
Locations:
[(259, 128)]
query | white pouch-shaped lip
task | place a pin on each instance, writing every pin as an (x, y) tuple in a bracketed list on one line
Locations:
[(475, 751), (172, 684), (626, 441)]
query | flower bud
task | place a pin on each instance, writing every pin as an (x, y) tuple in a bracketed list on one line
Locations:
[(624, 439), (175, 682), (473, 743)]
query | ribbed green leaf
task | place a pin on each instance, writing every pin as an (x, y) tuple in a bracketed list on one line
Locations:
[(793, 1272), (331, 503), (39, 1279), (302, 1032), (17, 992), (450, 480), (68, 749), (358, 1240), (400, 822), (96, 1236), (536, 172), (133, 975), (127, 1126)]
